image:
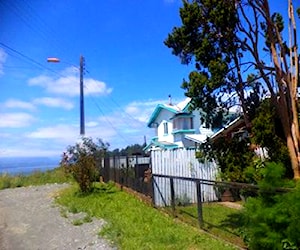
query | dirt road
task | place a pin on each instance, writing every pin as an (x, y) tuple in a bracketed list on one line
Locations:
[(30, 220)]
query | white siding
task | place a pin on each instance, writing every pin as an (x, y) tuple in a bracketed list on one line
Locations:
[(181, 162), (165, 116)]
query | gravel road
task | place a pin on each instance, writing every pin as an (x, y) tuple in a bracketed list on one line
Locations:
[(30, 220)]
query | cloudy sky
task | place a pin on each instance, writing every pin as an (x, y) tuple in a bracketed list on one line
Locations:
[(128, 71)]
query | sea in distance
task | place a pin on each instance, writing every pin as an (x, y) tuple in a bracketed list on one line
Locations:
[(27, 165)]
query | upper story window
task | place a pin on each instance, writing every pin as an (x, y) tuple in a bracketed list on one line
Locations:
[(183, 123), (166, 128)]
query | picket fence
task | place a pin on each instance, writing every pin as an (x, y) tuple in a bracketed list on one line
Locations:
[(183, 163)]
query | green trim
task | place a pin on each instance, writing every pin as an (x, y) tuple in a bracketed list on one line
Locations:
[(183, 115), (156, 112), (184, 131), (187, 107), (160, 145)]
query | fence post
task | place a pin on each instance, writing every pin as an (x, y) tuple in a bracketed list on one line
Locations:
[(127, 173), (152, 190), (106, 174), (199, 204), (172, 195)]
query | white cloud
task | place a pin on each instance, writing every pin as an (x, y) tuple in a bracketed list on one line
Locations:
[(30, 152), (3, 57), (41, 80), (141, 111), (13, 103), (69, 85), (65, 134), (54, 102), (16, 120), (93, 86), (91, 124), (61, 132), (120, 128)]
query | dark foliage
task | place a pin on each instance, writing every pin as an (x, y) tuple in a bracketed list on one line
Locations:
[(84, 161), (271, 219)]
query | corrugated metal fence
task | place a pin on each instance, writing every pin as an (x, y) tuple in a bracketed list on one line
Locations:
[(183, 163)]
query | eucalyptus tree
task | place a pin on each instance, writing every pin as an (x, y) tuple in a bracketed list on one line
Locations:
[(241, 52)]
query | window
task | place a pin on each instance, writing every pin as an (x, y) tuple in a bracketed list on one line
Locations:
[(182, 123), (166, 128)]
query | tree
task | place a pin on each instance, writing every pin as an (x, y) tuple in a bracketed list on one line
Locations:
[(83, 160), (134, 149), (268, 133), (222, 38)]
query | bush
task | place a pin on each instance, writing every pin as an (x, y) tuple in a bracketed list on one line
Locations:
[(83, 161), (271, 219), (5, 181)]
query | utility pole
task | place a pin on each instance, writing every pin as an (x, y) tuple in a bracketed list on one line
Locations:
[(81, 69)]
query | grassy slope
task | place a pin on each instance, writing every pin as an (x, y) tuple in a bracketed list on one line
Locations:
[(56, 175), (218, 219), (134, 225)]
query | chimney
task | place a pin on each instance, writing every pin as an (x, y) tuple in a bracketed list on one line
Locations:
[(170, 100)]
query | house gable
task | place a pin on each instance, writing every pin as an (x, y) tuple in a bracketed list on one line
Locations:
[(159, 108), (182, 107), (172, 123)]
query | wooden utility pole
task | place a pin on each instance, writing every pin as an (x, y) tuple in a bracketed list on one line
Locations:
[(81, 68)]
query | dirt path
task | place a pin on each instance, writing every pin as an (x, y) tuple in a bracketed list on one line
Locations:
[(30, 220)]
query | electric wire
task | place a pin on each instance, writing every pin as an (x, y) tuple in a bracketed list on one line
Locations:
[(124, 111), (108, 121), (27, 15), (27, 58)]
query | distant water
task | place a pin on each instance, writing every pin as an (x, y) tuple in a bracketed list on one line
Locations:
[(27, 165)]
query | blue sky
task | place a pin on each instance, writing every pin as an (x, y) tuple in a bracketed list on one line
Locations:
[(128, 71)]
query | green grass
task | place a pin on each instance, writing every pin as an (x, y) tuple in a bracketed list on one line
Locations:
[(56, 175), (77, 222), (219, 220), (131, 224)]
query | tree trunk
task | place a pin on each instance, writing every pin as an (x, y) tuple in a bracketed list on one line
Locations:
[(294, 156), (287, 83)]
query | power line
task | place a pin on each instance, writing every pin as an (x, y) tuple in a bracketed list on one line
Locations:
[(28, 58), (122, 109), (32, 20), (128, 124), (110, 123)]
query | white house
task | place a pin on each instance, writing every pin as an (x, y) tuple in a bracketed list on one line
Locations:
[(176, 126)]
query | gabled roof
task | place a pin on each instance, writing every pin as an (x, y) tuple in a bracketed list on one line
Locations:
[(231, 126), (175, 109), (160, 145)]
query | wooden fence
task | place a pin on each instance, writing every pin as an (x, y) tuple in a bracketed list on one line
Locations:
[(183, 163)]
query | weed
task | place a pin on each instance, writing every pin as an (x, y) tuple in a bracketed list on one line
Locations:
[(77, 222), (87, 219), (63, 213)]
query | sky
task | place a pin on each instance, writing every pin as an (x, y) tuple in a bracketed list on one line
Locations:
[(128, 71)]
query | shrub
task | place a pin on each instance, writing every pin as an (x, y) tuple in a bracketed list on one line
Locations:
[(5, 181), (83, 161), (271, 219)]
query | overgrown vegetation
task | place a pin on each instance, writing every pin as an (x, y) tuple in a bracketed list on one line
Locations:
[(233, 67), (222, 221), (271, 220), (56, 175), (84, 161), (134, 225), (233, 156)]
